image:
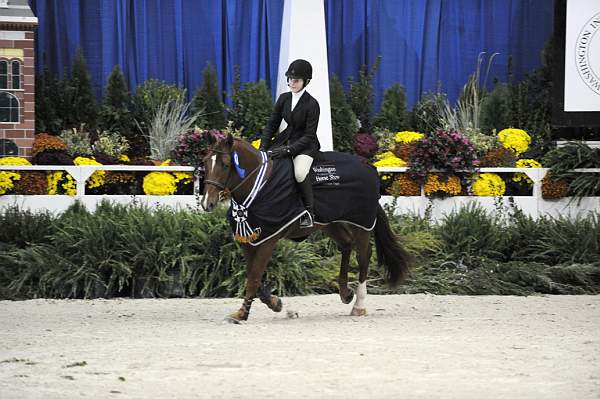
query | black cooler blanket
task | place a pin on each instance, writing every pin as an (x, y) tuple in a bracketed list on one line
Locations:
[(346, 189)]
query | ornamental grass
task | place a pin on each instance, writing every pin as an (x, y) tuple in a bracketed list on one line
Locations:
[(138, 251)]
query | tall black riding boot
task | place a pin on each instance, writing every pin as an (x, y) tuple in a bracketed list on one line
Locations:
[(306, 190)]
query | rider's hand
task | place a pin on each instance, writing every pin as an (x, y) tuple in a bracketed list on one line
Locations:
[(279, 152)]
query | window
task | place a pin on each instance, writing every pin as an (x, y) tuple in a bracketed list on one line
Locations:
[(10, 78), (3, 74), (16, 75), (9, 107)]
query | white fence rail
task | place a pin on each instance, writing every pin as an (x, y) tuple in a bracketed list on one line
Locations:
[(533, 205)]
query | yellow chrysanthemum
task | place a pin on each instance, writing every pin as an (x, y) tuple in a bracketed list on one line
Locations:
[(525, 163), (407, 137), (14, 161), (124, 158), (186, 177), (389, 161), (68, 184), (489, 185), (159, 183), (7, 178), (516, 140), (436, 184), (256, 144), (97, 178)]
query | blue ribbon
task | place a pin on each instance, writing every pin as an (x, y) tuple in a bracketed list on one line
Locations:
[(236, 162)]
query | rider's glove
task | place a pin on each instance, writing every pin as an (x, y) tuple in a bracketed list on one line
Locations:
[(279, 152)]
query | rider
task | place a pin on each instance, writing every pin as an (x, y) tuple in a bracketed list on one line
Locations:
[(299, 140)]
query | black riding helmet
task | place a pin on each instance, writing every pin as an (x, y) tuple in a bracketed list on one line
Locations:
[(300, 69)]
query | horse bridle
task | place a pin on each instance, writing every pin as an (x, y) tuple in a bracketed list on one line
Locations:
[(225, 192)]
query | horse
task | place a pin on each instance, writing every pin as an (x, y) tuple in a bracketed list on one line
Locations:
[(222, 180)]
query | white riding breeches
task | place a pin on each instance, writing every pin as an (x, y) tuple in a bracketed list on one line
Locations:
[(302, 165)]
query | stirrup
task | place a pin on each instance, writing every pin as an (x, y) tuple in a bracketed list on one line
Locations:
[(306, 221)]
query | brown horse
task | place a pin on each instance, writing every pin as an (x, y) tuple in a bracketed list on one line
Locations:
[(221, 180)]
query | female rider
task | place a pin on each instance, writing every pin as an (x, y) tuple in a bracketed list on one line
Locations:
[(299, 139)]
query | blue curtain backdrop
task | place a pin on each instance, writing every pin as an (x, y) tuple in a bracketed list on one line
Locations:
[(422, 43)]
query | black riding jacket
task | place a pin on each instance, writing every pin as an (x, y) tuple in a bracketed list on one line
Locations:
[(301, 133)]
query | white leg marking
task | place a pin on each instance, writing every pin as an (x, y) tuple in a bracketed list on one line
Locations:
[(359, 305), (361, 295)]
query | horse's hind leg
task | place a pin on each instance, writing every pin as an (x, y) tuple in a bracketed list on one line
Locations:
[(363, 255), (257, 259), (343, 238)]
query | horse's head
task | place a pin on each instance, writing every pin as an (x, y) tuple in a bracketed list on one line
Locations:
[(217, 170)]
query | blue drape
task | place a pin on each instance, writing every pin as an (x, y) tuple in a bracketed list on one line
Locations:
[(171, 40), (422, 43), (429, 42)]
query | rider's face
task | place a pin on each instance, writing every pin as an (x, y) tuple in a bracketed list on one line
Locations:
[(295, 85)]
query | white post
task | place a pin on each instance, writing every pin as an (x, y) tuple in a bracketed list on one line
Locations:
[(303, 36)]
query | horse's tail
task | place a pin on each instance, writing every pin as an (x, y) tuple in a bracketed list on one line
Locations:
[(390, 252)]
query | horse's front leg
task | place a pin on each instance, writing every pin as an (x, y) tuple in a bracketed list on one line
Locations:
[(363, 254), (257, 259)]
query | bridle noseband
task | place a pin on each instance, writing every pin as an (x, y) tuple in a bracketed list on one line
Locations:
[(226, 192)]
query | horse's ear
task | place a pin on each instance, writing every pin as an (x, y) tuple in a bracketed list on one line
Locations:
[(229, 140)]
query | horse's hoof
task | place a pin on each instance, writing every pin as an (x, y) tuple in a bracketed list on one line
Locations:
[(358, 312), (277, 306), (236, 317), (232, 320), (348, 297)]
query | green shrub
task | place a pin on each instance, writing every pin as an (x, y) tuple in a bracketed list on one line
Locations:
[(471, 232), (344, 124), (208, 101), (116, 114), (392, 115), (84, 105), (252, 107), (360, 95)]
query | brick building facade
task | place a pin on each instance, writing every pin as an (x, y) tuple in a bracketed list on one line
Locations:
[(17, 76)]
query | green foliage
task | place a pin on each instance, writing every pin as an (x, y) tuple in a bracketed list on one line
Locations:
[(111, 143), (425, 114), (46, 117), (471, 232), (360, 94), (128, 250), (84, 105), (208, 101), (532, 100), (22, 227), (149, 97), (78, 141), (344, 124), (252, 107), (575, 155), (116, 114), (496, 111), (559, 240), (392, 115)]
